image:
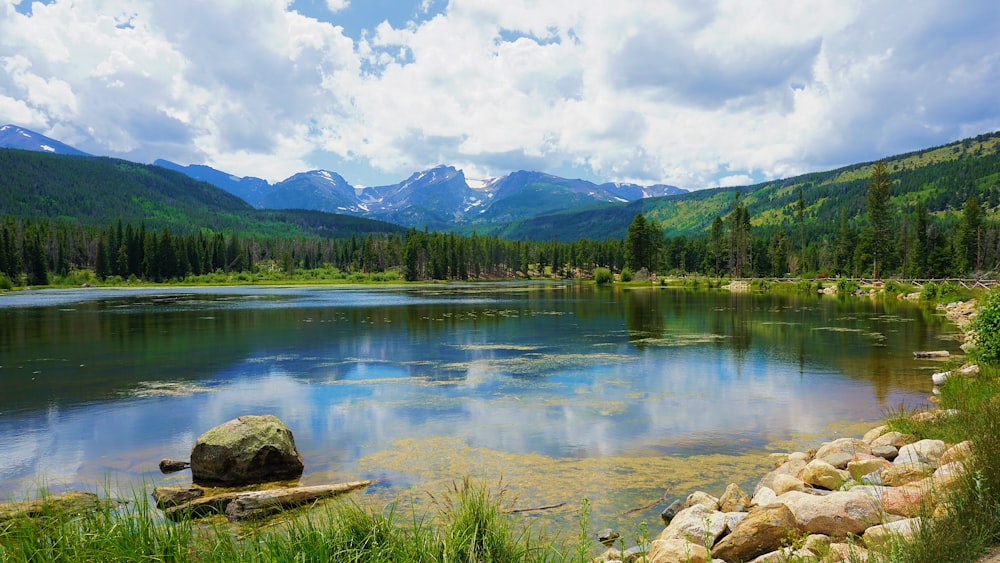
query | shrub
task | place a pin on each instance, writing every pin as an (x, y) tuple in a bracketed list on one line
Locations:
[(847, 286), (986, 329), (603, 276), (929, 292), (626, 275)]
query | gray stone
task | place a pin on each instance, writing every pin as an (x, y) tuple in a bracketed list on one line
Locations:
[(607, 536), (670, 511), (763, 530), (246, 450), (699, 524)]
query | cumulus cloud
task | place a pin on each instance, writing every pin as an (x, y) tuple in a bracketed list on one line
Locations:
[(650, 91)]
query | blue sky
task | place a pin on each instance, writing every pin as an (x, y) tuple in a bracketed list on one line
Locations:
[(694, 94)]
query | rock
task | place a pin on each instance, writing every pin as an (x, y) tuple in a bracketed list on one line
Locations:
[(844, 445), (836, 514), (763, 530), (173, 466), (635, 553), (763, 497), (676, 550), (611, 554), (700, 498), (961, 451), (173, 496), (878, 536), (899, 474), (886, 452), (784, 483), (896, 439), (696, 524), (799, 456), (791, 467), (733, 519), (874, 433), (246, 450), (860, 467), (968, 370), (607, 536), (68, 503), (817, 544), (924, 451), (938, 378), (734, 499), (670, 511), (846, 553), (783, 555), (821, 474), (840, 459), (948, 476), (908, 500), (932, 354)]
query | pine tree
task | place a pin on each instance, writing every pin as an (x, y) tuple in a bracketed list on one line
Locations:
[(879, 219), (971, 235)]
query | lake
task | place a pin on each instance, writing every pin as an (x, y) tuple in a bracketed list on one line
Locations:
[(559, 390)]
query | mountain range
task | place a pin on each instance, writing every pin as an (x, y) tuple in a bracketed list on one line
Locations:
[(439, 198)]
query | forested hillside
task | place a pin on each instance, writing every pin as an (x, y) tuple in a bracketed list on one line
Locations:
[(99, 191)]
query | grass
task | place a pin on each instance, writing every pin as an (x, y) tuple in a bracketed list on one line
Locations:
[(469, 522), (970, 524)]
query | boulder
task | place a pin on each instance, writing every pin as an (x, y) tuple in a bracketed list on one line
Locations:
[(700, 498), (961, 451), (670, 511), (878, 536), (858, 468), (843, 445), (733, 519), (784, 483), (908, 500), (635, 553), (608, 537), (840, 459), (836, 514), (676, 550), (888, 453), (696, 524), (819, 473), (924, 451), (895, 439), (874, 433), (899, 474), (734, 499), (246, 450), (846, 553), (791, 467), (763, 530), (763, 497), (948, 476)]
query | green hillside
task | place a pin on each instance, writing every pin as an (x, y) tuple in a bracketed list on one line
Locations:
[(941, 177), (100, 191)]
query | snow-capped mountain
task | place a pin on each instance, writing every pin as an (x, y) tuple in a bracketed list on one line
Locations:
[(439, 198), (14, 137)]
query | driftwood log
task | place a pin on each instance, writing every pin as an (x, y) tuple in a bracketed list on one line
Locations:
[(246, 505), (932, 354)]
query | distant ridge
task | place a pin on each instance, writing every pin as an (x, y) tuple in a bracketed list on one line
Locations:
[(15, 137)]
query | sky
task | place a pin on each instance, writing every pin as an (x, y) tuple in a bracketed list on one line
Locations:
[(692, 94)]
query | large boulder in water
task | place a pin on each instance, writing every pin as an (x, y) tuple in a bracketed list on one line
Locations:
[(246, 450)]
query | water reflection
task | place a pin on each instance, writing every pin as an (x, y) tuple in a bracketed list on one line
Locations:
[(111, 384)]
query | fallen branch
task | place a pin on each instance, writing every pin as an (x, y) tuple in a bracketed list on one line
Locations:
[(537, 508), (243, 505), (646, 506)]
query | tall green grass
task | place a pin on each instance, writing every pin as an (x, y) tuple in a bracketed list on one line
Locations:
[(971, 522), (469, 523)]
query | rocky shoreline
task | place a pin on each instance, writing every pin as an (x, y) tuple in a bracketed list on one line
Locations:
[(829, 504)]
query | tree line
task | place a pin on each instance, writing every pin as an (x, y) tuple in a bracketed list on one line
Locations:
[(892, 239), (895, 239)]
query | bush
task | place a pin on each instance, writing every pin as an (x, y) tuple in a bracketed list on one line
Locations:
[(929, 292), (603, 276), (626, 275), (5, 283), (847, 286), (986, 329)]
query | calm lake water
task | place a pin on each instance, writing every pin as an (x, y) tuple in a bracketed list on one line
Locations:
[(561, 391)]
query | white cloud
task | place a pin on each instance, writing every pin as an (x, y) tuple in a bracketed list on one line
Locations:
[(337, 5), (648, 91)]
